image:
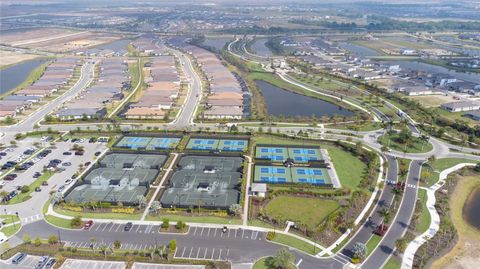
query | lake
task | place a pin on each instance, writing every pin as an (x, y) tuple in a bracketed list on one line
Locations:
[(117, 45), (471, 209), (216, 43), (13, 76), (357, 50), (260, 49), (283, 102)]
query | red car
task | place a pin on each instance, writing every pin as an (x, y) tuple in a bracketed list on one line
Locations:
[(88, 224)]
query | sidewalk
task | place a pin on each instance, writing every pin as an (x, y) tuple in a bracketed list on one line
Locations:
[(413, 246)]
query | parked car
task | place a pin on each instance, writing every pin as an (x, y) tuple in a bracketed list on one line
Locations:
[(68, 181), (67, 164), (88, 224), (17, 259), (128, 226), (50, 263), (79, 153), (97, 153), (3, 153), (37, 175), (41, 263), (38, 189), (67, 153), (61, 188)]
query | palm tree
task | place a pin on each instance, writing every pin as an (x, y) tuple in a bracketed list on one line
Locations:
[(385, 214), (401, 244)]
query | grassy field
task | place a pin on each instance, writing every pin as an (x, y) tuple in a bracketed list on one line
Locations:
[(260, 264), (393, 263), (438, 166), (418, 146), (466, 251), (296, 243), (373, 243), (11, 230), (292, 208), (425, 218), (22, 197), (348, 167), (7, 219), (59, 222)]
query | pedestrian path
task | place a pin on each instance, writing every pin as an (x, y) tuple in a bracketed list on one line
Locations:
[(413, 246)]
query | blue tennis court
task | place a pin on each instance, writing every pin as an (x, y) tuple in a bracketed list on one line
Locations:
[(133, 142), (315, 181), (163, 143), (232, 145)]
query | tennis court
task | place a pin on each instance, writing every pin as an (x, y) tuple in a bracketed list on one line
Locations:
[(163, 143), (281, 154), (133, 142), (87, 192), (128, 160), (276, 154), (217, 144), (205, 181), (280, 174)]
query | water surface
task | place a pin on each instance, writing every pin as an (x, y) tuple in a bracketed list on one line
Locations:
[(14, 75), (471, 209)]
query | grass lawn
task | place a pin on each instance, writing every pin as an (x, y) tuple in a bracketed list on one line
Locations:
[(424, 221), (393, 263), (120, 216), (60, 222), (348, 166), (260, 264), (295, 243), (367, 126), (438, 166), (198, 219), (7, 219), (11, 230), (292, 208), (22, 197), (373, 242), (418, 146)]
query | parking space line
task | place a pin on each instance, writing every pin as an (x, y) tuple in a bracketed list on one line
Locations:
[(215, 232), (205, 255), (228, 252), (106, 225), (220, 254), (195, 231), (98, 227), (213, 251), (118, 227), (198, 252), (113, 225), (190, 252), (138, 227), (243, 233), (183, 251), (201, 233), (229, 232), (236, 233)]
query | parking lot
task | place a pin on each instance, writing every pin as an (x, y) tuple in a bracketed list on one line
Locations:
[(138, 265), (28, 262), (81, 264)]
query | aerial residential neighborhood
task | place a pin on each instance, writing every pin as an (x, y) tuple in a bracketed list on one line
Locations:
[(239, 135)]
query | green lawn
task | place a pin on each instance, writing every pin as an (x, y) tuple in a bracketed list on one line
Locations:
[(60, 222), (418, 146), (393, 263), (438, 166), (295, 243), (22, 197), (373, 243), (198, 219), (7, 219), (11, 230), (260, 264), (424, 221), (283, 208)]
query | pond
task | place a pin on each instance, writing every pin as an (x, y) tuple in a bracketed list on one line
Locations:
[(14, 75), (117, 45), (216, 43), (260, 48), (471, 209), (357, 50), (286, 103)]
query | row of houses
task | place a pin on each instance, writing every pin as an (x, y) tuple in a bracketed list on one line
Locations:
[(226, 98), (147, 46), (56, 75), (163, 86), (91, 103)]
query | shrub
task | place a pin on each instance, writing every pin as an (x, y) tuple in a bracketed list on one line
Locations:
[(127, 210), (37, 241), (270, 235), (180, 225), (27, 239), (117, 244), (53, 239), (105, 204), (73, 208), (76, 221), (165, 223), (172, 245), (355, 260), (25, 189)]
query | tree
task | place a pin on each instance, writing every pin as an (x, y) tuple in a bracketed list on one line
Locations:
[(53, 239), (37, 241), (57, 197), (103, 249), (385, 213), (235, 209), (156, 206), (141, 201), (360, 250), (76, 221), (93, 240), (283, 259), (180, 225), (27, 239), (172, 245), (25, 189), (165, 223), (117, 244)]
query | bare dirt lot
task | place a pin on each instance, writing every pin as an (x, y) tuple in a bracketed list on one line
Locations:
[(433, 100), (12, 57), (466, 253), (56, 39)]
